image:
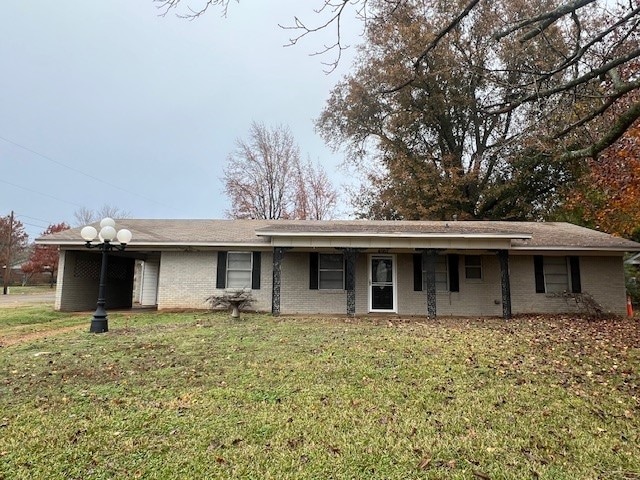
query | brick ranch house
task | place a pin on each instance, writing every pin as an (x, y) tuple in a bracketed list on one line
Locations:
[(427, 268)]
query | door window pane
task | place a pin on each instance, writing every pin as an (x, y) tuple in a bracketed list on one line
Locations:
[(382, 270)]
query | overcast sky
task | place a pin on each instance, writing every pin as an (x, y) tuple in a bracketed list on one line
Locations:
[(150, 105)]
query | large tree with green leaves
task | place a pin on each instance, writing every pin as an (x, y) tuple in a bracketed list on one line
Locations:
[(516, 91), (434, 148)]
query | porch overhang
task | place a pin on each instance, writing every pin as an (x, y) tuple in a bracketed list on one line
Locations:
[(394, 241)]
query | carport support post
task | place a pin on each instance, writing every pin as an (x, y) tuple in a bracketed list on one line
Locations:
[(429, 262), (350, 284), (503, 258), (278, 256)]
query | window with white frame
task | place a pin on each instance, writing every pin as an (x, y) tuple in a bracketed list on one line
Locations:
[(239, 268), (473, 267), (442, 275), (330, 271)]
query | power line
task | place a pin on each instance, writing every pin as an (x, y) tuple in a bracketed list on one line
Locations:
[(40, 193), (88, 175), (33, 225), (34, 218)]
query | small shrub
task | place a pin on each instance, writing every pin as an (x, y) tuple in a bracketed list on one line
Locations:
[(235, 300), (584, 302)]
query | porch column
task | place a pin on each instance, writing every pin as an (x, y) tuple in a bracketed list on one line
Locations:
[(503, 258), (278, 256), (350, 283), (429, 262)]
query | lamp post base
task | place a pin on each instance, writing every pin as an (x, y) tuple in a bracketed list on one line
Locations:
[(99, 324)]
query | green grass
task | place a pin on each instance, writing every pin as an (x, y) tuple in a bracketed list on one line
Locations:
[(199, 395), (29, 315), (30, 289)]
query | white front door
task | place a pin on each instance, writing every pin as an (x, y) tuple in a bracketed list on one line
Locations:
[(150, 276), (382, 283)]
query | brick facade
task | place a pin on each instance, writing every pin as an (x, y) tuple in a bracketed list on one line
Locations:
[(187, 278)]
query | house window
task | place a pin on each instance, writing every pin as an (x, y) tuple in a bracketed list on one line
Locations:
[(556, 277), (442, 274), (330, 271), (473, 267), (557, 274), (239, 268)]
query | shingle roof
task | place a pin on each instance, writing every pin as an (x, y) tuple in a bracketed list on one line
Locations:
[(543, 235), (196, 232)]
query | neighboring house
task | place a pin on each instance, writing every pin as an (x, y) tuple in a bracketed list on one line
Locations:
[(426, 268)]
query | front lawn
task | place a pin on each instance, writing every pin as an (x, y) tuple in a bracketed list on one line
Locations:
[(30, 289), (199, 395)]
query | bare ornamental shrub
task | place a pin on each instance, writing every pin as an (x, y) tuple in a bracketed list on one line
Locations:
[(234, 300), (584, 302)]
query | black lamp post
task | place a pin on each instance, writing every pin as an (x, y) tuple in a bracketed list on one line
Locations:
[(100, 322)]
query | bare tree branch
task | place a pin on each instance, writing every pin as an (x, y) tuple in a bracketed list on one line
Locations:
[(623, 122), (547, 19), (265, 178), (165, 6)]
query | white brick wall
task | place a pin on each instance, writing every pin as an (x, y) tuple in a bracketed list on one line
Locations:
[(601, 276), (188, 278), (296, 297), (476, 297)]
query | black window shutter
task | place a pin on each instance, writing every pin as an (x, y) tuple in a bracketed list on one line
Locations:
[(345, 274), (221, 280), (255, 273), (574, 264), (313, 271), (417, 272), (454, 273), (538, 267)]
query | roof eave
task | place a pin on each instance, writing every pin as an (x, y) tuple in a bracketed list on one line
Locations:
[(484, 236), (138, 245), (548, 248)]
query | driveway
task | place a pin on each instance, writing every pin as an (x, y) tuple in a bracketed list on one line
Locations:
[(17, 300)]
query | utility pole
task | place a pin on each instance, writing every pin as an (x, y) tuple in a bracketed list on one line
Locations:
[(7, 267)]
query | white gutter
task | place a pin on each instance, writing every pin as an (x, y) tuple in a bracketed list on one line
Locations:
[(74, 243), (519, 236), (565, 248)]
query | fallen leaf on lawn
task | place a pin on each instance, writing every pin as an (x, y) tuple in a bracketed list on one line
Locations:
[(482, 475), (424, 463)]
